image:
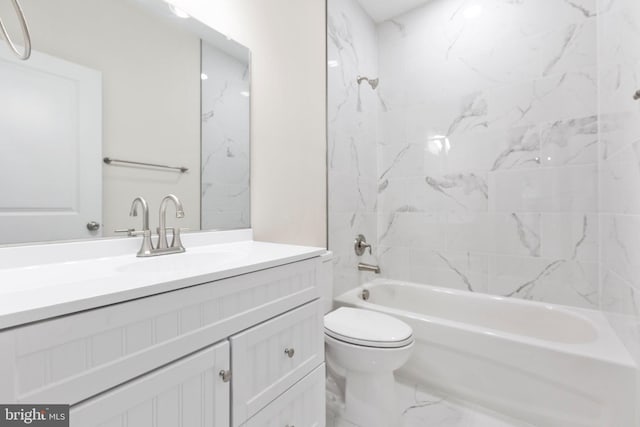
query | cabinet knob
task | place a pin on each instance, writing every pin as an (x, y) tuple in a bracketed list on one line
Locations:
[(289, 352), (225, 375)]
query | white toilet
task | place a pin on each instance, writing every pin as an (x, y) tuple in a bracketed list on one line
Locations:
[(364, 348)]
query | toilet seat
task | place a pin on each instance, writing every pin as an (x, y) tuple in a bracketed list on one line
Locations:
[(367, 328)]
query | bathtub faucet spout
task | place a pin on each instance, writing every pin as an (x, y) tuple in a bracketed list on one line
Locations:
[(368, 267)]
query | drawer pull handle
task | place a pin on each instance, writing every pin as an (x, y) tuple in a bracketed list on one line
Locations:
[(225, 375), (289, 352)]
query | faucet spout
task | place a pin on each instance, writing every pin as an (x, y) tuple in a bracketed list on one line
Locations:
[(147, 245), (162, 224), (145, 211), (368, 267)]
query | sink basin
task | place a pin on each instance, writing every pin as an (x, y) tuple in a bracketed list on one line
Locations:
[(187, 261), (32, 278)]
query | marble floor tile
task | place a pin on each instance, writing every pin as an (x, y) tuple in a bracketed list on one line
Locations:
[(422, 408)]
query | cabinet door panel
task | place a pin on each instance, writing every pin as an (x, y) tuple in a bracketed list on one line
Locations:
[(188, 392), (262, 370)]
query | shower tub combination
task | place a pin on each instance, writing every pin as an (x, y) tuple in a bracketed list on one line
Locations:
[(540, 363)]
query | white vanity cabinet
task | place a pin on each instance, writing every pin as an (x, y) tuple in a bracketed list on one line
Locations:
[(157, 360)]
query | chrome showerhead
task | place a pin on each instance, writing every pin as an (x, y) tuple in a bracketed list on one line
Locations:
[(372, 82)]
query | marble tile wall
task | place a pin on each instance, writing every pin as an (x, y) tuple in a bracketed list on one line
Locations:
[(619, 78), (506, 153), (488, 151), (225, 141), (476, 164), (353, 113)]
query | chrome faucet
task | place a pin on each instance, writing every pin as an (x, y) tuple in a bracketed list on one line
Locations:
[(147, 245), (162, 227), (368, 267), (360, 245), (162, 248)]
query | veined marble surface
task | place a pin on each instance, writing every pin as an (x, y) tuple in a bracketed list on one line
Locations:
[(421, 408), (353, 116), (474, 164), (507, 153), (488, 153), (619, 179), (225, 141)]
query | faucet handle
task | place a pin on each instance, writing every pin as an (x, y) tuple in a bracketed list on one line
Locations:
[(131, 232), (360, 245)]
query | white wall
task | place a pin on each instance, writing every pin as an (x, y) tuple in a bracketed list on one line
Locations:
[(288, 96)]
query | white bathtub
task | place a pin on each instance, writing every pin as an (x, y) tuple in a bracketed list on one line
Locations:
[(544, 364)]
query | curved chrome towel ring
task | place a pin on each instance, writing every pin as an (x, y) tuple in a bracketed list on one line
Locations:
[(26, 53)]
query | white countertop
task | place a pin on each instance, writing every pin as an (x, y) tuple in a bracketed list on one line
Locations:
[(77, 276)]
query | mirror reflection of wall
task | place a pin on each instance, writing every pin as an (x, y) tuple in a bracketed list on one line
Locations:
[(225, 138), (149, 62)]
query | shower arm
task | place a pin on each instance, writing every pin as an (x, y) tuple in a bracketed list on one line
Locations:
[(372, 82), (26, 52)]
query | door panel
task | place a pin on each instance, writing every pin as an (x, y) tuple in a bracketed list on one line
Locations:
[(50, 149)]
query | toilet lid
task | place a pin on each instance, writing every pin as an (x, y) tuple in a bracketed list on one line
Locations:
[(367, 328)]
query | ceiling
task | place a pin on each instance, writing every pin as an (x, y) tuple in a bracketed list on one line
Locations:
[(380, 10)]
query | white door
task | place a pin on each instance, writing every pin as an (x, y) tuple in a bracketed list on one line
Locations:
[(188, 393), (50, 149)]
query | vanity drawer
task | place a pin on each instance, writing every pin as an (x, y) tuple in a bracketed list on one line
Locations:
[(269, 358), (303, 405), (69, 359)]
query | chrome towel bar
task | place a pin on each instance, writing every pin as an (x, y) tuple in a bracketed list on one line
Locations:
[(109, 160)]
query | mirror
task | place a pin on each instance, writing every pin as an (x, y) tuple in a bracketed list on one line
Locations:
[(114, 91)]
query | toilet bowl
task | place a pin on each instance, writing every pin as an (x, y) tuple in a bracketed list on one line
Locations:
[(364, 348)]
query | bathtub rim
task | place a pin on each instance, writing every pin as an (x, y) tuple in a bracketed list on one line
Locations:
[(606, 347)]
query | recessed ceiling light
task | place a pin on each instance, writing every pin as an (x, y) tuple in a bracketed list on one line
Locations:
[(203, 76), (245, 93), (333, 63)]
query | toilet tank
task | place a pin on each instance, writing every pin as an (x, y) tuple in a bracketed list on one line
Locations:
[(325, 280)]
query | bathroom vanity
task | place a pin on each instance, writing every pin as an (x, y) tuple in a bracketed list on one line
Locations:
[(227, 334)]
